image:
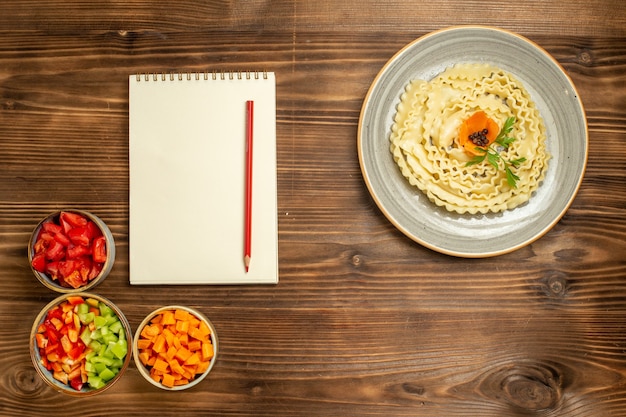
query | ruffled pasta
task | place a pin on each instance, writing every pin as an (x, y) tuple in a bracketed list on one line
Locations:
[(425, 142)]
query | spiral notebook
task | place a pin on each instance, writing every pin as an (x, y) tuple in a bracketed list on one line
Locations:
[(187, 150)]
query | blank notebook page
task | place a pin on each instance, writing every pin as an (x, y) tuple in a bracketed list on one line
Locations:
[(187, 153)]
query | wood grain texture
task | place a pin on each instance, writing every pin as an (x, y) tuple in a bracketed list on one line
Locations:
[(364, 321)]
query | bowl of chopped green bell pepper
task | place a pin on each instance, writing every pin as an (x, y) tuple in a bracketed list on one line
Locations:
[(81, 344)]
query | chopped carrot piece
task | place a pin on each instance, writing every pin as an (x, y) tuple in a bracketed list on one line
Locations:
[(189, 371), (207, 351), (181, 315), (182, 326), (171, 352), (194, 359), (175, 366), (183, 354), (194, 345), (193, 321), (144, 357), (168, 380), (159, 344), (202, 367), (182, 381), (143, 344), (204, 328), (196, 333), (161, 365), (169, 336), (168, 318)]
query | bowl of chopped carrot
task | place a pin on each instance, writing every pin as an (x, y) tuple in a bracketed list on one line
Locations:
[(175, 347), (80, 344), (71, 251)]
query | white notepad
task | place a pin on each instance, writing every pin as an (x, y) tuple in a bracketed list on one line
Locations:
[(187, 150)]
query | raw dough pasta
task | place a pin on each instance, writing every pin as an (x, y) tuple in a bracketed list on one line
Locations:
[(425, 143)]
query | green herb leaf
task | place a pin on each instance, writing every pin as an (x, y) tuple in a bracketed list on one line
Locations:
[(511, 178), (518, 161), (477, 159), (507, 128), (494, 159)]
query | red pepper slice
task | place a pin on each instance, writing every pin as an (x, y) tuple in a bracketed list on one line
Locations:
[(55, 251), (62, 238), (39, 262), (52, 269), (76, 251), (79, 236), (52, 227), (73, 219), (99, 252)]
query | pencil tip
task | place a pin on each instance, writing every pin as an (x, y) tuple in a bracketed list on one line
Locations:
[(246, 260)]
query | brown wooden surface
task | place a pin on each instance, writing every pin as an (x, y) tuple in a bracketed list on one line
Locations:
[(364, 322)]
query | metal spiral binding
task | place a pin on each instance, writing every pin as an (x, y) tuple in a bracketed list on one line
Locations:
[(206, 75)]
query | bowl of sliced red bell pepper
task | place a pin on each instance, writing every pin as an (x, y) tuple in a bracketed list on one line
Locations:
[(71, 251), (81, 344)]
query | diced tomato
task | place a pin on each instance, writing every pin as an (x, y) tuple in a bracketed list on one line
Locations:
[(70, 249), (46, 237), (74, 279), (74, 219), (40, 246), (75, 251), (99, 252), (84, 268), (79, 236), (52, 269), (39, 262), (62, 238), (51, 227), (96, 268), (93, 230), (55, 251)]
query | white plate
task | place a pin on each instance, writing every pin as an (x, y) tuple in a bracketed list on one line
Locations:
[(567, 141)]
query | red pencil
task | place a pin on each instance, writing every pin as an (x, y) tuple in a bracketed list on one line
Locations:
[(248, 219)]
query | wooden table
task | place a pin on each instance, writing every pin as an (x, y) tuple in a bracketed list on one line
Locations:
[(364, 321)]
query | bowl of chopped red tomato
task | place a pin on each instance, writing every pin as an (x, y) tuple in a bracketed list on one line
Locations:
[(71, 251), (175, 347), (81, 344)]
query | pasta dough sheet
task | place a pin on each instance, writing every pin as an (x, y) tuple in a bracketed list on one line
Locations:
[(425, 139)]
